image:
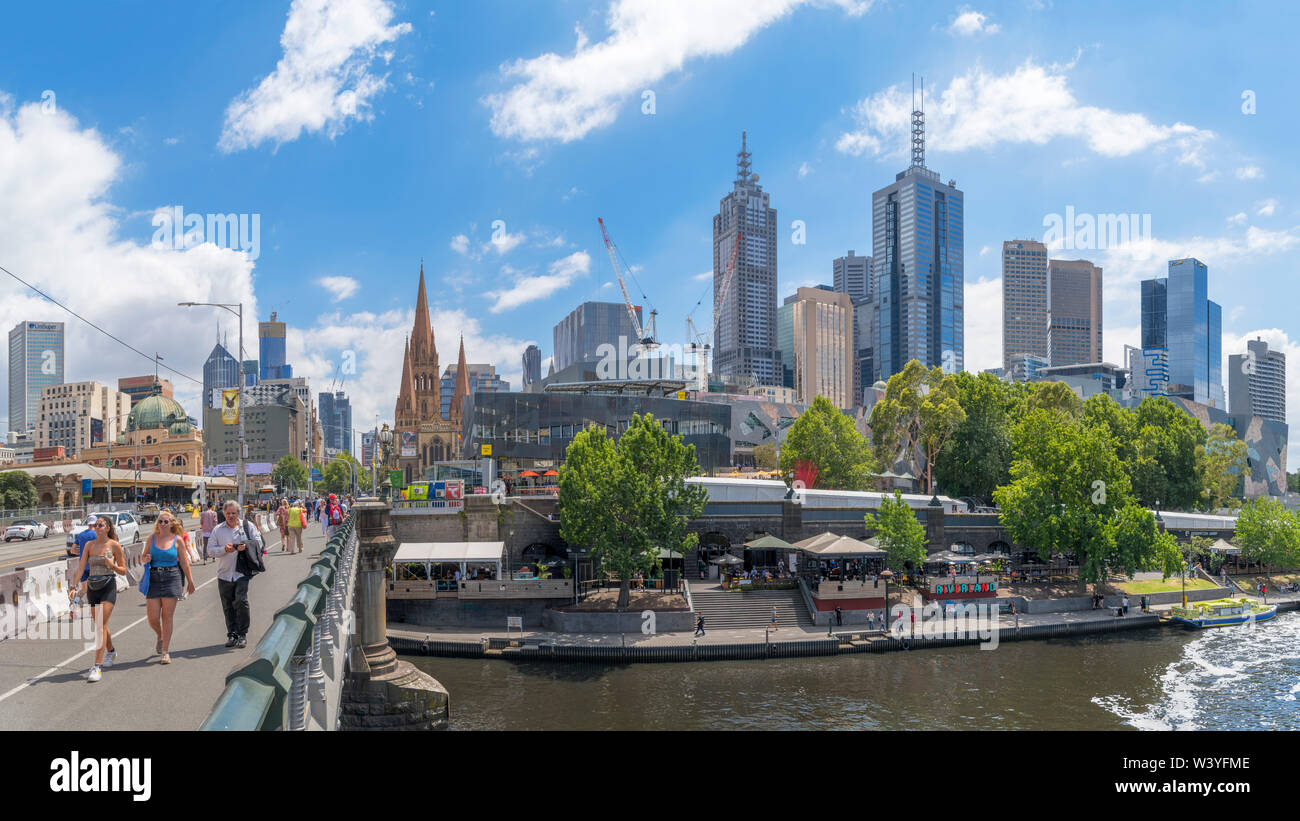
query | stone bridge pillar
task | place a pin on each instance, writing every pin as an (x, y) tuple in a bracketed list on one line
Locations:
[(383, 692)]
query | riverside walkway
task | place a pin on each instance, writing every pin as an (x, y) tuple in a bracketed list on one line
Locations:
[(43, 682)]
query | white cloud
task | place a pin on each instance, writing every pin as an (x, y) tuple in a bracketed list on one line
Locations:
[(703, 276), (1033, 104), (560, 274), (340, 287), (970, 22), (171, 140), (61, 231), (983, 324), (804, 170), (1266, 208), (460, 244), (566, 97), (1209, 176), (1238, 218), (503, 242), (324, 79), (1250, 172), (984, 251)]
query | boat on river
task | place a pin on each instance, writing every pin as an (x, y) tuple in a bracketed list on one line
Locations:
[(1222, 613)]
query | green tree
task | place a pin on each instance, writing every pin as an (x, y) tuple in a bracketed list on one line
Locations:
[(628, 500), (289, 473), (1053, 396), (1163, 465), (1119, 421), (1268, 533), (826, 437), (1066, 490), (337, 474), (17, 491), (916, 419), (765, 456), (1220, 462), (1293, 482), (898, 532), (979, 457)]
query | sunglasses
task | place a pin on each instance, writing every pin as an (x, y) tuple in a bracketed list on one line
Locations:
[(98, 525)]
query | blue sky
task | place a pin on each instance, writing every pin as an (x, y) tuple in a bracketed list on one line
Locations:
[(368, 135)]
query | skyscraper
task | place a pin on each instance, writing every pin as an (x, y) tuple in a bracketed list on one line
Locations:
[(532, 365), (1177, 317), (1257, 382), (851, 275), (336, 421), (918, 289), (220, 370), (745, 342), (479, 377), (1024, 300), (592, 324), (35, 363), (270, 349), (821, 345), (1074, 316)]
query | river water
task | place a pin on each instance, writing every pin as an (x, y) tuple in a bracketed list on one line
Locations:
[(1222, 679)]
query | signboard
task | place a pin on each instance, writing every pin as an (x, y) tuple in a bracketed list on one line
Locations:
[(85, 488), (96, 431), (397, 478), (230, 406), (316, 475), (442, 496), (681, 394), (484, 450), (513, 622), (408, 443)]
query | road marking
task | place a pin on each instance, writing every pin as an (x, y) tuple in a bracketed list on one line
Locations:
[(29, 682), (63, 553)]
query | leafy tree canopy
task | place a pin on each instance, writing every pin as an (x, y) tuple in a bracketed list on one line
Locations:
[(827, 439)]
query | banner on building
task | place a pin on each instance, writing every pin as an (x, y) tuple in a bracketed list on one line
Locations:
[(444, 496), (85, 488), (230, 406), (397, 478), (408, 443)]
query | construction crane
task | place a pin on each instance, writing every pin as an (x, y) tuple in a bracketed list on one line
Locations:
[(699, 346), (646, 341)]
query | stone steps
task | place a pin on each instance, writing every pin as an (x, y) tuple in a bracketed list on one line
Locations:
[(727, 610)]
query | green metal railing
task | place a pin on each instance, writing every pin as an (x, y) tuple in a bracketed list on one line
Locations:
[(257, 693)]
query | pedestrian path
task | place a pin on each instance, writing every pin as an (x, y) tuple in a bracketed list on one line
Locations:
[(43, 682)]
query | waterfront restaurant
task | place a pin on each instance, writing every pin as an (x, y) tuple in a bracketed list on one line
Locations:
[(950, 577), (843, 572), (441, 560)]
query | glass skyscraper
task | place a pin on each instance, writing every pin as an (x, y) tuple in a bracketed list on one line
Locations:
[(336, 421), (918, 278), (35, 363), (270, 350), (589, 326), (220, 370), (1178, 317)]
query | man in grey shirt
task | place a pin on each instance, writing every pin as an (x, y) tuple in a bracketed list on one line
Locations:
[(228, 539)]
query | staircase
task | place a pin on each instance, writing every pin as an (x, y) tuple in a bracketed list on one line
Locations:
[(723, 610), (691, 568)]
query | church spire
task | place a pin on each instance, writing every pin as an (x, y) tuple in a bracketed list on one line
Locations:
[(422, 344), (462, 383)]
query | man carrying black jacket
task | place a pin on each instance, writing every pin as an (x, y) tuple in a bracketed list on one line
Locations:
[(238, 547)]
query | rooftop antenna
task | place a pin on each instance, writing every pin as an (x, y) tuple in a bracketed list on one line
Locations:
[(742, 159), (918, 125)]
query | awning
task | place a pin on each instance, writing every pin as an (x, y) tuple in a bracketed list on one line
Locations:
[(768, 542), (454, 552), (1225, 547), (844, 547)]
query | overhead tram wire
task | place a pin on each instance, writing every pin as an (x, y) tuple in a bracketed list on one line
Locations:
[(124, 344)]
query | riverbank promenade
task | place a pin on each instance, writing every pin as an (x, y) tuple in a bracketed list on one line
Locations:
[(43, 682)]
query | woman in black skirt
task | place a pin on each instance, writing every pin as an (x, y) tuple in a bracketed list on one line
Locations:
[(104, 559), (169, 569)]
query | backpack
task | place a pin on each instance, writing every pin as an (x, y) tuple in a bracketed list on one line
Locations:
[(336, 515)]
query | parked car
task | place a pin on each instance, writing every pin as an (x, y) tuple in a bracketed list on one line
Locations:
[(27, 529), (124, 522)]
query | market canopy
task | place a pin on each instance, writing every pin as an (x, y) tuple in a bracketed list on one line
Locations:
[(768, 542), (450, 552), (949, 557), (811, 542), (838, 547), (1225, 547)]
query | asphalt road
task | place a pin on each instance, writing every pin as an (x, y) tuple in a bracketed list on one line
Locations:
[(43, 682)]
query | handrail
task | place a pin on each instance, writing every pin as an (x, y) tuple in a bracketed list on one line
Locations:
[(268, 692), (686, 590), (807, 598)]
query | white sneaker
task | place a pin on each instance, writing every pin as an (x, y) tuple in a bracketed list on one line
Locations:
[(109, 658), (95, 674)]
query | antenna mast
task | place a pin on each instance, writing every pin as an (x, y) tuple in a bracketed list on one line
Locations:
[(918, 125)]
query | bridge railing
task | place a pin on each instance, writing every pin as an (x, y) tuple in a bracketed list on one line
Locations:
[(294, 679)]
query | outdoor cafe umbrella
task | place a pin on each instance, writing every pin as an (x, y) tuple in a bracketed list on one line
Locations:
[(768, 542), (551, 473), (528, 473)]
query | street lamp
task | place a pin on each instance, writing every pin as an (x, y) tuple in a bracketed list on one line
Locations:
[(238, 310)]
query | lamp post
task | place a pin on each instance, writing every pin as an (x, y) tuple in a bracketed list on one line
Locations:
[(887, 575), (238, 310)]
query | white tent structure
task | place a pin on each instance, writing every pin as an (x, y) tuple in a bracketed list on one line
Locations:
[(464, 554)]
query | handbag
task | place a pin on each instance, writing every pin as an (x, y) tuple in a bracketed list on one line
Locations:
[(98, 583), (144, 578)]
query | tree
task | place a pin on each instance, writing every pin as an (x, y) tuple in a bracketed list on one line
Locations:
[(1054, 396), (1269, 534), (979, 457), (289, 473), (1220, 462), (898, 532), (338, 473), (1066, 491), (916, 419), (628, 500), (1119, 421), (824, 438), (1163, 464), (1293, 482), (765, 456), (17, 491)]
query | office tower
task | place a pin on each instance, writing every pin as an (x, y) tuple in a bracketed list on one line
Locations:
[(35, 363), (863, 355), (78, 415), (251, 372), (480, 378), (1257, 382), (1024, 367), (1178, 318), (336, 421), (1073, 312), (220, 371), (820, 355), (142, 387), (918, 288), (1024, 300), (579, 335), (270, 350), (532, 372), (744, 346), (852, 275)]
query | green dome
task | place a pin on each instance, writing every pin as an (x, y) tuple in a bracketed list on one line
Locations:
[(159, 412)]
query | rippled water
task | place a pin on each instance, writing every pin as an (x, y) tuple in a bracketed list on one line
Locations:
[(1144, 679)]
